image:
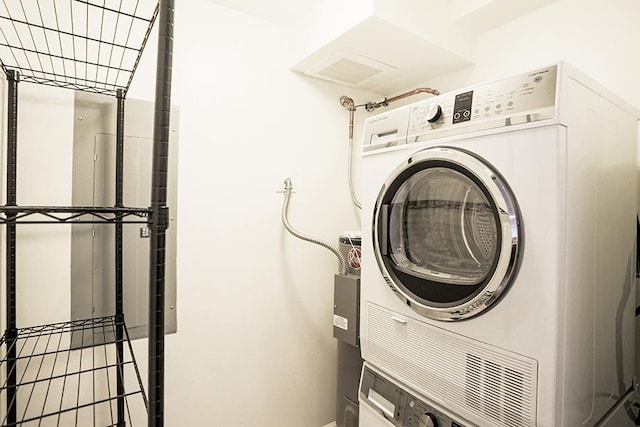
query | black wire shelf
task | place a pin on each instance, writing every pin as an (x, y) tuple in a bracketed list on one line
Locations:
[(62, 380), (93, 46), (73, 215), (49, 376)]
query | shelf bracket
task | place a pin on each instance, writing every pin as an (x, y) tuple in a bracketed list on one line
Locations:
[(163, 217)]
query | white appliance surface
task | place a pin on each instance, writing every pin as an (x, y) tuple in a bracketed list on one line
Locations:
[(557, 348), (384, 401), (370, 418)]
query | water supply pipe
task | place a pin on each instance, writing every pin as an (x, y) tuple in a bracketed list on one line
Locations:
[(288, 188), (351, 106), (384, 102)]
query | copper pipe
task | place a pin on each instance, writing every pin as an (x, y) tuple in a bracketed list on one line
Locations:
[(384, 102), (351, 115), (351, 106), (433, 92)]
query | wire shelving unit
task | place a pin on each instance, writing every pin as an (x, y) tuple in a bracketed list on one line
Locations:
[(61, 386), (93, 46)]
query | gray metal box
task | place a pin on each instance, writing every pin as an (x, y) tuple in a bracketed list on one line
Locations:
[(93, 245), (346, 308)]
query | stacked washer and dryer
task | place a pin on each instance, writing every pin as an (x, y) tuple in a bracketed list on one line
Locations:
[(498, 244)]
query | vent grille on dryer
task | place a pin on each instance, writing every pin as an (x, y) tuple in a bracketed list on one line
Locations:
[(486, 384), (495, 390)]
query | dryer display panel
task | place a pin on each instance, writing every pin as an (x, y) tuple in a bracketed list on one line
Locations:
[(447, 233), (462, 107)]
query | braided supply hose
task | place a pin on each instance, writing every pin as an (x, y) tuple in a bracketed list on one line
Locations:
[(288, 188)]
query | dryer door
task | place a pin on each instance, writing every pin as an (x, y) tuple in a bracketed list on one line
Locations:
[(447, 233)]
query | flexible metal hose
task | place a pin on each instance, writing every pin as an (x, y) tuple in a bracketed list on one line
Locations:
[(351, 106), (288, 187), (352, 190)]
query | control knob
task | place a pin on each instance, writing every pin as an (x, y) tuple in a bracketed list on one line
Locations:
[(428, 420), (434, 113)]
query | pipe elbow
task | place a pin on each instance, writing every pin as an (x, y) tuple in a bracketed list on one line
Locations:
[(434, 92), (348, 103)]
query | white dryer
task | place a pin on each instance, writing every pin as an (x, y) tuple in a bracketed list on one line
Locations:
[(498, 249)]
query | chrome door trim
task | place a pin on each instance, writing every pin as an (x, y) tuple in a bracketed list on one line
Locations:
[(509, 221)]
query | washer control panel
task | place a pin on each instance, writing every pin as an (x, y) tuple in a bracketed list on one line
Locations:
[(515, 100), (399, 406)]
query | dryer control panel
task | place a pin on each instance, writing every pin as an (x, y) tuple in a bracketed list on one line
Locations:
[(515, 100), (399, 406)]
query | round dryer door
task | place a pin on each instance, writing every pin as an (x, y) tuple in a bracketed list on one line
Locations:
[(447, 233)]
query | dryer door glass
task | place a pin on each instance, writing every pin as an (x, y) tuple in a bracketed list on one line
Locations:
[(443, 228), (447, 233)]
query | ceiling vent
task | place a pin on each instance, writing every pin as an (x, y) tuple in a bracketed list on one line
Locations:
[(348, 68)]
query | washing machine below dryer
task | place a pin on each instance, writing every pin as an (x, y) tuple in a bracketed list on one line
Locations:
[(386, 402), (498, 248)]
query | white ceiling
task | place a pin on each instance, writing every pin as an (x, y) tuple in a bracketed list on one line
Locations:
[(284, 12), (394, 35)]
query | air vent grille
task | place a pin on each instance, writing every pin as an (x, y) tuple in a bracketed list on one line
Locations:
[(485, 384), (348, 68), (349, 71)]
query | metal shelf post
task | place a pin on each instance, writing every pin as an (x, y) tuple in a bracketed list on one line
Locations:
[(119, 254), (12, 149), (160, 214)]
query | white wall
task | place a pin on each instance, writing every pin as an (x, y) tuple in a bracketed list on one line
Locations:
[(44, 154), (601, 39), (45, 124), (254, 343)]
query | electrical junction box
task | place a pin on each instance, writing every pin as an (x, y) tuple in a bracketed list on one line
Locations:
[(346, 308)]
